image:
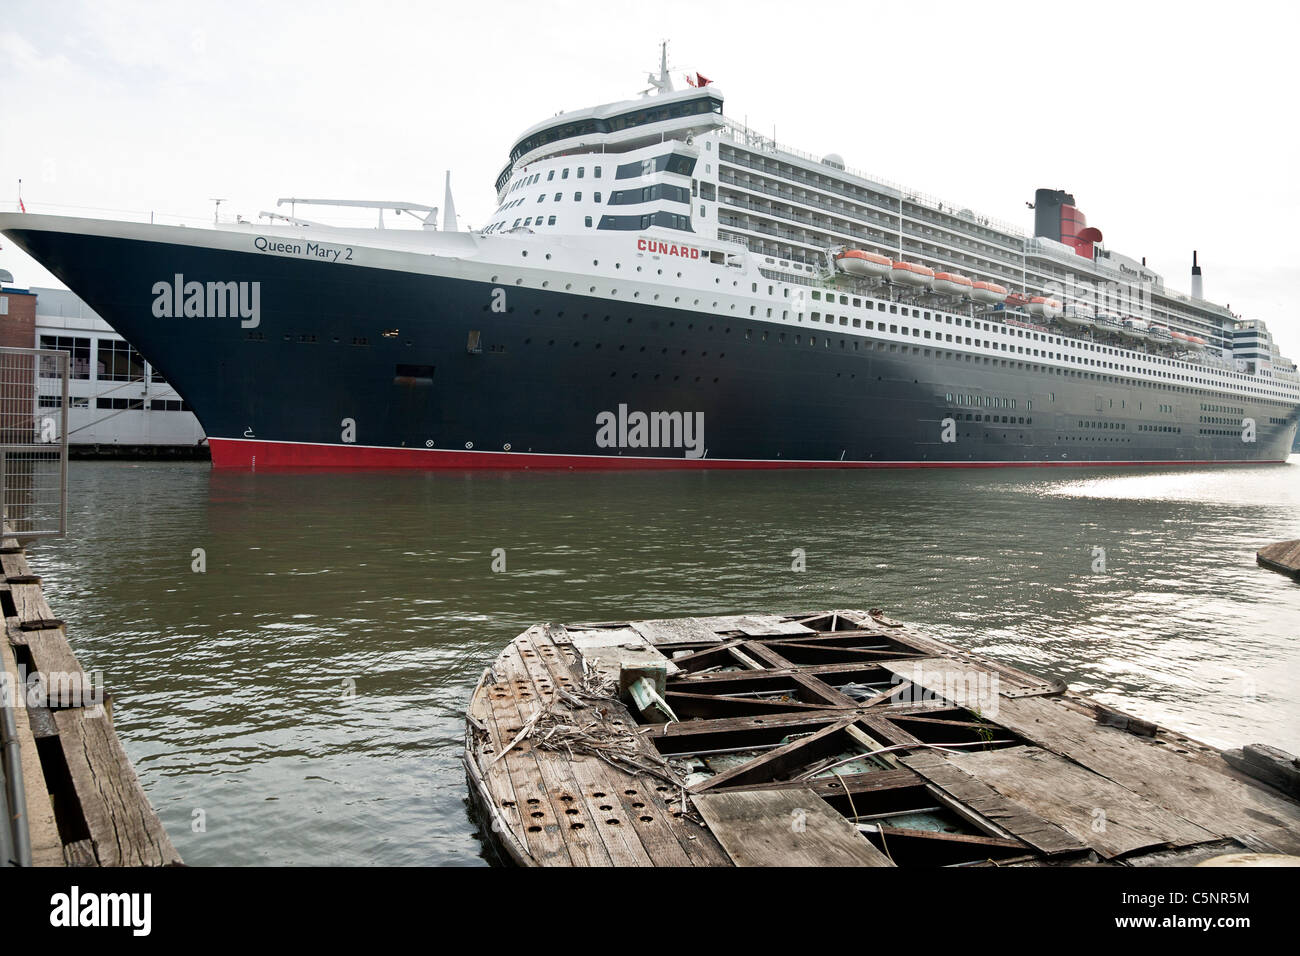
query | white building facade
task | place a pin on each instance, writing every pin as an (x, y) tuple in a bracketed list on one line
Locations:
[(118, 403)]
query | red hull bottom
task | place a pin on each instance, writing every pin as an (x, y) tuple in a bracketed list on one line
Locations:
[(251, 455)]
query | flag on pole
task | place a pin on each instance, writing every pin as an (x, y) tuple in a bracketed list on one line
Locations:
[(21, 207)]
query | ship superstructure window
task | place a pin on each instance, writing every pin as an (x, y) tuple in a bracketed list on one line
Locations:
[(119, 362), (668, 162), (669, 219), (624, 197), (79, 355)]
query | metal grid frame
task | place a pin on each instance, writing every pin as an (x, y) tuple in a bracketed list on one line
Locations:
[(34, 442)]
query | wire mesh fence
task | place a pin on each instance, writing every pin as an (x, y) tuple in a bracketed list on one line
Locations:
[(34, 442)]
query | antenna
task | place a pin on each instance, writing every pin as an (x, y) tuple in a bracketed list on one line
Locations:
[(663, 83), (216, 209), (449, 209)]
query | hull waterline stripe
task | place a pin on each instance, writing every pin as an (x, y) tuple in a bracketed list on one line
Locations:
[(245, 453)]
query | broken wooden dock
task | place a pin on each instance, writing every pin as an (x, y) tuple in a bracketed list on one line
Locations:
[(76, 800), (837, 739), (1283, 557)]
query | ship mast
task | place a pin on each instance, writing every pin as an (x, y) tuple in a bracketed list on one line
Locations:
[(663, 83)]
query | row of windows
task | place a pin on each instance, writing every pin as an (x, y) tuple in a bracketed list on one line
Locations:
[(990, 401), (1222, 408), (670, 220), (1011, 329), (627, 197), (668, 162), (1160, 428), (137, 404), (586, 127), (117, 360)]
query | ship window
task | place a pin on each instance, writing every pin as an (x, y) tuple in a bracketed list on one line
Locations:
[(559, 196), (550, 175), (565, 174), (597, 196), (577, 197), (581, 170), (415, 372), (550, 221), (588, 221)]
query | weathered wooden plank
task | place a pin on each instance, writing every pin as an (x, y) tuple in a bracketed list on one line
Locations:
[(800, 751), (1269, 764), (696, 630), (574, 816), (646, 822), (30, 604), (122, 825), (1283, 557), (791, 827), (968, 685), (47, 847), (63, 682), (991, 805), (1106, 816), (1190, 788), (540, 835)]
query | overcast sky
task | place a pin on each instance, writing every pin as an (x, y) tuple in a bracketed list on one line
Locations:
[(1173, 124)]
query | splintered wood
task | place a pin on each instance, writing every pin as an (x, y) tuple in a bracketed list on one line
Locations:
[(836, 739)]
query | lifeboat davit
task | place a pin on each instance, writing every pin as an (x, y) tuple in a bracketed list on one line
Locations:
[(859, 262), (1043, 307), (910, 273), (950, 283), (1108, 323), (987, 293)]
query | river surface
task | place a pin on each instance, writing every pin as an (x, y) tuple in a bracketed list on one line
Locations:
[(301, 699)]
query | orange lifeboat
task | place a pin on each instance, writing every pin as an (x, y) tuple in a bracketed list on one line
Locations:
[(1016, 300), (1043, 307), (987, 293), (910, 273), (859, 262), (950, 283)]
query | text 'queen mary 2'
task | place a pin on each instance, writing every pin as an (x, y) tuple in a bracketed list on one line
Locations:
[(661, 287)]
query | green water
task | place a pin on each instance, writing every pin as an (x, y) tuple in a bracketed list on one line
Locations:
[(303, 697)]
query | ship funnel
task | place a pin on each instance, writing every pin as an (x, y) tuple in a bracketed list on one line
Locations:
[(1197, 291), (449, 209)]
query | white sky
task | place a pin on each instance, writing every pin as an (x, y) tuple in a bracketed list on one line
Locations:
[(1174, 125)]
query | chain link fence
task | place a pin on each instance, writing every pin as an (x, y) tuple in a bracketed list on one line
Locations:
[(34, 442)]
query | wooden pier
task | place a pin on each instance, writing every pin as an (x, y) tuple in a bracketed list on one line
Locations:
[(83, 804), (1283, 557), (839, 738)]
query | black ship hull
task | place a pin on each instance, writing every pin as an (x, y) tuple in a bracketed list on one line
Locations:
[(350, 366)]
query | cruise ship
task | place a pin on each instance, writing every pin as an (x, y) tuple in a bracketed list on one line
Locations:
[(663, 287)]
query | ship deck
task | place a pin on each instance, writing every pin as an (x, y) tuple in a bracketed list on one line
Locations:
[(835, 739)]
